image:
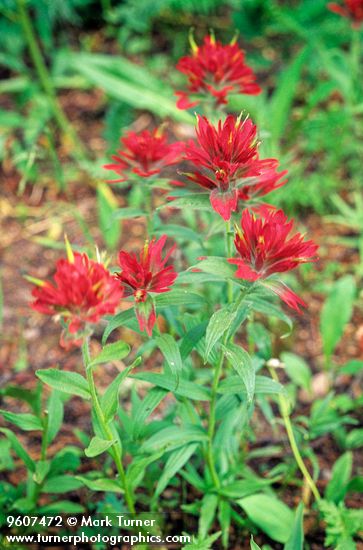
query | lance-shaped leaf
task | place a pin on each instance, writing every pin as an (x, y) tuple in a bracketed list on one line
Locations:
[(111, 352), (174, 464), (98, 446), (65, 381), (219, 323), (170, 349), (27, 422), (109, 400), (242, 364)]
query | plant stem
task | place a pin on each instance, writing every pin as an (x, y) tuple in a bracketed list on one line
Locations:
[(44, 76), (43, 452), (229, 254), (218, 371), (284, 410), (115, 448)]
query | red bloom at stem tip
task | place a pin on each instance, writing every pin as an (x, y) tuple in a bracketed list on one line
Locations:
[(145, 154), (215, 70), (353, 9), (83, 291), (266, 246), (232, 169), (146, 274)]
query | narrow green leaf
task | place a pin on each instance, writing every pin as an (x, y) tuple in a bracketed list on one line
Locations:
[(271, 515), (219, 323), (127, 213), (341, 474), (109, 400), (65, 381), (216, 266), (173, 437), (195, 201), (173, 465), (336, 312), (242, 364), (254, 545), (296, 539), (101, 484), (263, 385), (27, 422), (107, 206), (170, 349), (207, 514), (297, 369), (117, 321), (98, 446), (185, 387), (152, 399), (111, 352), (61, 484), (19, 449), (179, 297), (55, 415)]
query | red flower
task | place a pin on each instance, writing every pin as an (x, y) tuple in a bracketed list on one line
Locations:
[(265, 246), (232, 167), (353, 9), (83, 291), (216, 70), (145, 154), (144, 275)]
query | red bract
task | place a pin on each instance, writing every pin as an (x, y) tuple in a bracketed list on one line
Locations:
[(353, 9), (146, 274), (228, 154), (266, 246), (215, 70), (83, 291), (145, 154)]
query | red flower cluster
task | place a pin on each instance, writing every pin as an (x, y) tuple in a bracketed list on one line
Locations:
[(353, 9), (145, 154), (83, 291), (265, 246), (233, 170), (216, 70), (144, 275)]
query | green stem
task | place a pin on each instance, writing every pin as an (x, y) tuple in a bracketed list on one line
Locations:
[(148, 201), (284, 410), (229, 255), (43, 74), (43, 452), (218, 371), (115, 448)]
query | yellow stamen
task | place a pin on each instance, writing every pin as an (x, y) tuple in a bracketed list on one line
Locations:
[(234, 39), (192, 42), (69, 250), (212, 36), (34, 280)]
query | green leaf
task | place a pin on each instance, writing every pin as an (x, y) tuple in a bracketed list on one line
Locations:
[(337, 311), (107, 206), (224, 518), (101, 484), (152, 399), (282, 98), (245, 487), (191, 339), (185, 388), (98, 446), (137, 469), (194, 201), (297, 369), (117, 321), (27, 422), (55, 415), (253, 545), (109, 400), (341, 474), (203, 543), (135, 94), (263, 385), (173, 465), (127, 213), (171, 352), (41, 471), (242, 364), (65, 381), (216, 266), (219, 323), (296, 539), (179, 297), (61, 507), (19, 449), (173, 437), (207, 514), (111, 352), (271, 515), (61, 484)]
